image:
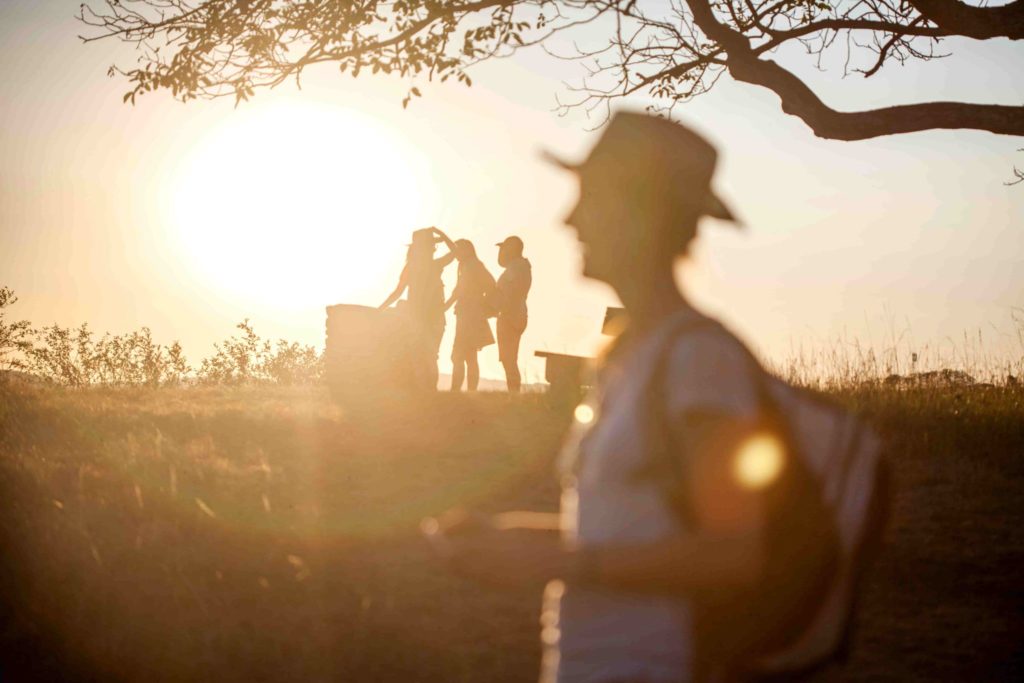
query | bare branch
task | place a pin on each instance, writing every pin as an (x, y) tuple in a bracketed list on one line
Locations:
[(1018, 175), (800, 101)]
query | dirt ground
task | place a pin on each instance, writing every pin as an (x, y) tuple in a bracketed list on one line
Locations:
[(265, 535)]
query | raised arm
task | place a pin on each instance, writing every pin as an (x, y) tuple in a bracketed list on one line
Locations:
[(403, 282), (440, 234), (445, 260)]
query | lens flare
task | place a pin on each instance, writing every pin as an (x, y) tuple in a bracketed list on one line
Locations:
[(759, 461), (584, 414)]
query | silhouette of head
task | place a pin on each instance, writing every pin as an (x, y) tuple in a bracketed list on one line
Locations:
[(464, 250), (422, 246), (509, 248), (643, 188)]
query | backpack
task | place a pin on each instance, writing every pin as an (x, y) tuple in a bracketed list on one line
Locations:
[(824, 519)]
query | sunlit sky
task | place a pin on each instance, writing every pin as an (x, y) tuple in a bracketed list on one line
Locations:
[(189, 218)]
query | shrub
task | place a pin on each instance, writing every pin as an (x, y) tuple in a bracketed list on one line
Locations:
[(15, 336), (293, 364), (71, 357), (247, 359)]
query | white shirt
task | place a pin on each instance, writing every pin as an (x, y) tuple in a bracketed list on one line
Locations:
[(611, 496)]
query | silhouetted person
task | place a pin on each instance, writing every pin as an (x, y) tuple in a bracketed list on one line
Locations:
[(472, 331), (425, 304), (512, 288), (634, 543)]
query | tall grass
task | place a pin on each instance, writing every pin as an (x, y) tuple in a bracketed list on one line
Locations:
[(845, 362)]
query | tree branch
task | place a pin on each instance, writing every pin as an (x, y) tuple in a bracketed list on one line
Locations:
[(800, 101), (1006, 21), (781, 35)]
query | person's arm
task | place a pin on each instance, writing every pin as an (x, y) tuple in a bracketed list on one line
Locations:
[(458, 522), (456, 293), (727, 549), (499, 297), (505, 549), (445, 260), (440, 234), (403, 282), (489, 283)]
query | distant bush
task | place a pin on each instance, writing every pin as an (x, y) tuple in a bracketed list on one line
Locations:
[(293, 364), (237, 360), (71, 357), (247, 359), (15, 336)]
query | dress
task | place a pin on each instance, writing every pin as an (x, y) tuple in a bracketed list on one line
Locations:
[(472, 331), (426, 310), (612, 494)]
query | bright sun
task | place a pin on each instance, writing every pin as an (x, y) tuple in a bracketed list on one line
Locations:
[(300, 203)]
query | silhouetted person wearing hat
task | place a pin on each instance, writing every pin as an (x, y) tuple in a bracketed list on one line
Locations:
[(472, 331), (634, 545), (425, 304), (512, 288)]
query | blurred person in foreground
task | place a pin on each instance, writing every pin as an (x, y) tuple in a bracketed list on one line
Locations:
[(425, 305), (472, 331), (633, 545), (512, 288)]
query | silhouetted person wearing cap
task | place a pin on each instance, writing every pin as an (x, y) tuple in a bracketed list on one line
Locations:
[(634, 545), (512, 289), (425, 304), (472, 331)]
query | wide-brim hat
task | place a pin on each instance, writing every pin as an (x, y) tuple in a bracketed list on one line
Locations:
[(422, 237), (636, 146)]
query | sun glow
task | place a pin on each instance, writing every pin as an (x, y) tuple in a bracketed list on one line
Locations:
[(300, 203)]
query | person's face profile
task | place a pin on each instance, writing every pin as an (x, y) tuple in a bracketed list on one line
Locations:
[(600, 220)]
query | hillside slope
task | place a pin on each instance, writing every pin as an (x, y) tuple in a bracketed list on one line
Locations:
[(262, 534)]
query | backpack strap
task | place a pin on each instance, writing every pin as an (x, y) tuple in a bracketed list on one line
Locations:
[(658, 431)]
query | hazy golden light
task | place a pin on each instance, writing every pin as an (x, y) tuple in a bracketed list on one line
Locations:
[(300, 203), (759, 461), (584, 414)]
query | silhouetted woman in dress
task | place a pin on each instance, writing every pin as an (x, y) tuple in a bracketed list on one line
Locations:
[(425, 303), (472, 331)]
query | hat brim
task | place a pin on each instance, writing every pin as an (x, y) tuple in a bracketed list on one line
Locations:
[(552, 158), (714, 206)]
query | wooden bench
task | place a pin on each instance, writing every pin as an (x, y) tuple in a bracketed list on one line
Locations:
[(564, 373)]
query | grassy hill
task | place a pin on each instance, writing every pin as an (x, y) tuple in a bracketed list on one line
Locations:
[(263, 534)]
